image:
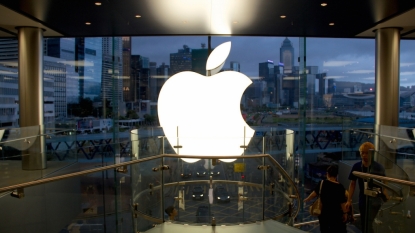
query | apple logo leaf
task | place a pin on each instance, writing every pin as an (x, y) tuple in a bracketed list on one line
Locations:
[(201, 115), (217, 58)]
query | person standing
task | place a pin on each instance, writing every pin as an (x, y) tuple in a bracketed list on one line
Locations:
[(333, 213), (170, 213), (366, 166)]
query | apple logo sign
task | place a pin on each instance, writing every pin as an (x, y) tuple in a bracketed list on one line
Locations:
[(200, 115)]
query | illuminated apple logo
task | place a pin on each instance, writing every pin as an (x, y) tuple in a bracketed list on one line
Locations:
[(200, 115)]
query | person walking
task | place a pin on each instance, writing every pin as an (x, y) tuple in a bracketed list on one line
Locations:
[(334, 212), (372, 167)]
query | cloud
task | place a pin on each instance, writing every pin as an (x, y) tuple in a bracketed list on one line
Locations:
[(290, 78), (338, 63), (77, 63), (360, 72), (407, 73), (407, 64), (370, 78), (334, 77), (256, 77)]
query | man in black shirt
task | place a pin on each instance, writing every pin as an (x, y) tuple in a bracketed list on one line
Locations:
[(366, 166)]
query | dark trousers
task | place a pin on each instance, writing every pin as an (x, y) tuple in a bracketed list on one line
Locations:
[(332, 224), (368, 218)]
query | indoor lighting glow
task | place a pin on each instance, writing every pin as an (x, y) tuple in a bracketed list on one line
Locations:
[(88, 23), (138, 16), (98, 4), (283, 16), (202, 113), (331, 24), (212, 16), (323, 4)]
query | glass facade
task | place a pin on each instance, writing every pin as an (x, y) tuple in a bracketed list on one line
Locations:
[(317, 88)]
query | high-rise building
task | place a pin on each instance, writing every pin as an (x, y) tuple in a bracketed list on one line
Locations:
[(126, 69), (9, 50), (199, 59), (55, 75), (287, 56), (112, 70), (153, 82), (88, 65), (181, 61), (139, 78), (235, 66), (9, 96), (266, 73)]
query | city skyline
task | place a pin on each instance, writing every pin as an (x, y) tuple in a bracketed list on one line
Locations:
[(342, 59)]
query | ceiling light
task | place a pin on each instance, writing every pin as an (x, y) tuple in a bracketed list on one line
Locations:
[(88, 23), (235, 22), (98, 3), (283, 16), (331, 24), (323, 4), (184, 21), (138, 16)]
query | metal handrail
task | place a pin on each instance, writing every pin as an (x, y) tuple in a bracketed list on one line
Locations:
[(300, 224), (386, 136), (37, 135), (383, 178), (113, 166)]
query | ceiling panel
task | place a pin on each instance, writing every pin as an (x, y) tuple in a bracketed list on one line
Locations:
[(351, 18)]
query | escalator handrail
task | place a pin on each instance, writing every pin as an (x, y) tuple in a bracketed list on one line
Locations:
[(383, 178)]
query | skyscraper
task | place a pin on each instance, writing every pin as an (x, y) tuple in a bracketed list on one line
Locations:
[(8, 50), (235, 66), (126, 68), (139, 78), (287, 56), (199, 59), (181, 61), (55, 75), (153, 81), (9, 95), (266, 73), (112, 69), (88, 65)]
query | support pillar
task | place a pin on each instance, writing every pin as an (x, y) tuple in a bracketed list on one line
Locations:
[(31, 114), (387, 89)]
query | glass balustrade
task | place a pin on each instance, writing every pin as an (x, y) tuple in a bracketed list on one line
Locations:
[(35, 145), (394, 150), (102, 190)]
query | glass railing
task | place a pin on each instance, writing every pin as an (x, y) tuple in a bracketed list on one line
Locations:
[(394, 215), (129, 190), (34, 152), (251, 188), (394, 151)]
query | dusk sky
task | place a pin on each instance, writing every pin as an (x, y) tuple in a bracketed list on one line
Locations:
[(342, 59)]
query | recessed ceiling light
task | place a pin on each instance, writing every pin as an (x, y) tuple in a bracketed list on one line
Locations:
[(235, 22), (323, 4), (88, 23), (283, 16), (98, 3), (331, 24), (138, 16)]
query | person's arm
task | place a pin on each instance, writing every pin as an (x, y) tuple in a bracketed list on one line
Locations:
[(345, 210), (352, 187), (384, 190), (311, 196)]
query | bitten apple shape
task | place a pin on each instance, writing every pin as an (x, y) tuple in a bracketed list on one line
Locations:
[(202, 115)]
